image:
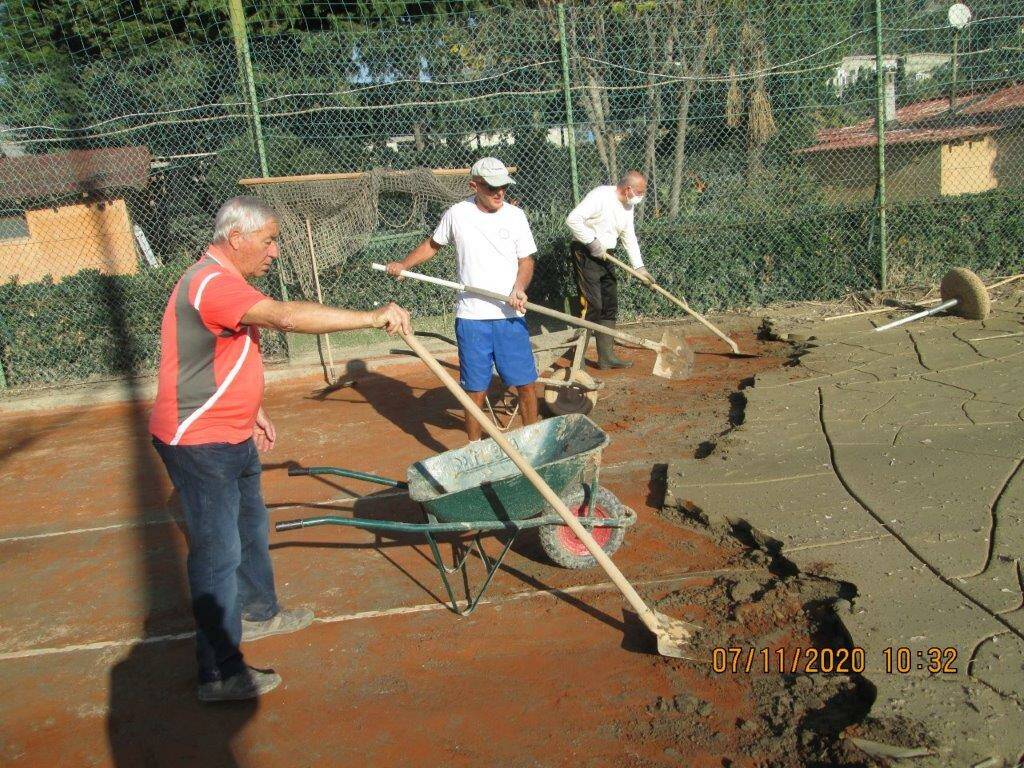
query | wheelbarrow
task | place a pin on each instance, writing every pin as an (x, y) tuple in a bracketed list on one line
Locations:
[(477, 490)]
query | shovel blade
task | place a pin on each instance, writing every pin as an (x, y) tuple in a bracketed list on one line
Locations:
[(675, 361), (675, 636)]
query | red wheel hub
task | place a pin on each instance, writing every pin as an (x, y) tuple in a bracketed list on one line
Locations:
[(571, 543)]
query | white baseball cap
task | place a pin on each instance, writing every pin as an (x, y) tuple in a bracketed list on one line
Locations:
[(491, 170)]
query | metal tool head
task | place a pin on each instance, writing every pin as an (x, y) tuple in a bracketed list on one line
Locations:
[(675, 360), (675, 636)]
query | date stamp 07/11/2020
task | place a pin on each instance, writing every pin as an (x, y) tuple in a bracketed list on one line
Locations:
[(894, 660)]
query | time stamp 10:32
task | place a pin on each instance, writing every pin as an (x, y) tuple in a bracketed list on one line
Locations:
[(893, 660)]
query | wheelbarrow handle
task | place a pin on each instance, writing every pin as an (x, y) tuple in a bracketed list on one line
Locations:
[(349, 473)]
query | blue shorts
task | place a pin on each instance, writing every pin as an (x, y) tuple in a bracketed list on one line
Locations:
[(486, 344)]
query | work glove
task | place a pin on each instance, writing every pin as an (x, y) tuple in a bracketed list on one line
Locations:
[(645, 276), (596, 249)]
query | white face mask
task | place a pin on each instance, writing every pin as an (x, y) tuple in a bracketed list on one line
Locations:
[(635, 200)]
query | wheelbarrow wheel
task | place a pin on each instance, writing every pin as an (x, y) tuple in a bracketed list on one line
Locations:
[(560, 543)]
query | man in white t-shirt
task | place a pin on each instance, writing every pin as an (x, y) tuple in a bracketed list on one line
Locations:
[(598, 223), (494, 249)]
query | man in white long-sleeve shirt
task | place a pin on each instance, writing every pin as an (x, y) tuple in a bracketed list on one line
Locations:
[(598, 223)]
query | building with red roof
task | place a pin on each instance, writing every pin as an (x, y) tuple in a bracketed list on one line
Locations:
[(61, 213), (932, 149)]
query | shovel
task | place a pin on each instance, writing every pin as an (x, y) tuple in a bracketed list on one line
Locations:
[(679, 303), (673, 635), (675, 358)]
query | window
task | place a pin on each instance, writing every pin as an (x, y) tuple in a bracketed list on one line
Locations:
[(12, 225)]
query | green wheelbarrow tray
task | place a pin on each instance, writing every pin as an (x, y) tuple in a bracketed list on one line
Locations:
[(477, 489)]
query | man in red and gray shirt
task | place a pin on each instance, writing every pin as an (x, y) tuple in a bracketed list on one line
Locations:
[(208, 426)]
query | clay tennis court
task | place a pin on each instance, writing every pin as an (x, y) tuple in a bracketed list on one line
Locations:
[(97, 650)]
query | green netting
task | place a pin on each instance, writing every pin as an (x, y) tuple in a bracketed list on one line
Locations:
[(325, 221), (754, 122)]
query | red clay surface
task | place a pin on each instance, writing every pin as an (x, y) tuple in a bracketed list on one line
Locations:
[(93, 557)]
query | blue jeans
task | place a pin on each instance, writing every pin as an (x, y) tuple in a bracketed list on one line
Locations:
[(229, 570)]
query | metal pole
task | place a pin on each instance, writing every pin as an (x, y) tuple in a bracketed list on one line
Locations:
[(570, 131), (241, 39), (948, 304), (329, 372), (952, 85), (245, 71), (880, 126), (3, 335)]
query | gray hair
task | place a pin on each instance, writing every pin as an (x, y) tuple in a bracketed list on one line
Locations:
[(244, 213), (631, 177)]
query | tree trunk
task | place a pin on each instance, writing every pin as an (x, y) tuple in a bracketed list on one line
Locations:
[(703, 17), (417, 126), (595, 101), (650, 151), (679, 157), (593, 107), (654, 121), (613, 161)]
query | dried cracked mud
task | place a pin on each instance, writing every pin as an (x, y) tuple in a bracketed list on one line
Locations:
[(893, 461)]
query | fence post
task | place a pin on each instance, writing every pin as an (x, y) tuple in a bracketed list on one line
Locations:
[(880, 129), (241, 39), (245, 73), (570, 130)]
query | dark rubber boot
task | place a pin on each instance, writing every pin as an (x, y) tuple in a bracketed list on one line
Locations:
[(606, 350)]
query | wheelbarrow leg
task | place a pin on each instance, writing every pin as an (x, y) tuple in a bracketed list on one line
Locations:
[(492, 567), (459, 562), (581, 349), (494, 416)]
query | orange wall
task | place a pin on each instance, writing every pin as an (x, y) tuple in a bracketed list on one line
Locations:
[(71, 238), (969, 167)]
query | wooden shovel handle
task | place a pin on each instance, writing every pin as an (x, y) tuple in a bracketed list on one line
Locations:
[(472, 409), (677, 301), (540, 310)]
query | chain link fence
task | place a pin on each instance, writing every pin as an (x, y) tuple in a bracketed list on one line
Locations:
[(122, 130)]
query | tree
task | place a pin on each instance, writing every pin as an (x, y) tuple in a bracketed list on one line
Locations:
[(661, 39), (751, 96), (588, 38), (700, 30)]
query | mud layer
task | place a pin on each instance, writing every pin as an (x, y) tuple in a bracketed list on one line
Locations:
[(893, 461), (96, 659)]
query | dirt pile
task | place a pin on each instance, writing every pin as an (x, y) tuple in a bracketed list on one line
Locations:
[(774, 645)]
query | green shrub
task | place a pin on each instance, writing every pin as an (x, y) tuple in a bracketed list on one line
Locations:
[(88, 325)]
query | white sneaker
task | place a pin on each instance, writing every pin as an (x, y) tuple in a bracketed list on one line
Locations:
[(286, 620)]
